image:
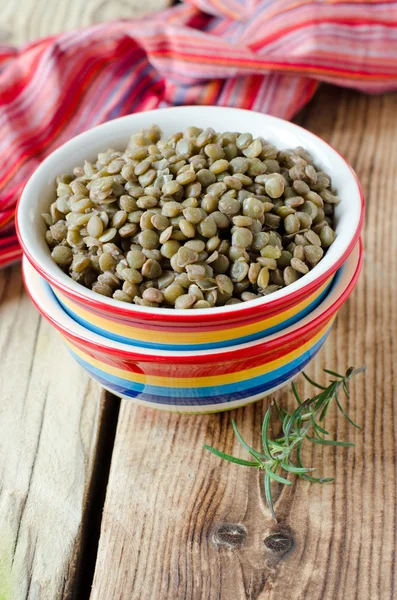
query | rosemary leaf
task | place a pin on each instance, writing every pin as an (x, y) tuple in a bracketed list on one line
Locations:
[(279, 410), (328, 442), (296, 394), (324, 411), (292, 469), (233, 459), (265, 431), (316, 479), (344, 413), (294, 417), (317, 385), (268, 495), (276, 477), (317, 426), (346, 390), (244, 443), (333, 373)]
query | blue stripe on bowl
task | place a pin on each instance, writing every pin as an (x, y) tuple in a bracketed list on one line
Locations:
[(191, 347), (205, 391), (206, 395)]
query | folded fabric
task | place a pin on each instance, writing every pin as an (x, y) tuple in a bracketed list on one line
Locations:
[(10, 251), (264, 55)]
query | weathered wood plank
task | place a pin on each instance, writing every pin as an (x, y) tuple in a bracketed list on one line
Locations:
[(179, 524), (32, 19), (50, 415)]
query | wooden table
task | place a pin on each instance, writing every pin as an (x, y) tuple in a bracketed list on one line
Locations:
[(101, 498)]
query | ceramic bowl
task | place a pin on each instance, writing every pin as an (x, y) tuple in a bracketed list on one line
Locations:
[(169, 329), (202, 380)]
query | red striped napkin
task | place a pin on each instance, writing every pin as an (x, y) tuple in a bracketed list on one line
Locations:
[(265, 55)]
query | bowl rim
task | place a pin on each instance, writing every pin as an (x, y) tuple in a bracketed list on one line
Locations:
[(279, 299), (318, 318)]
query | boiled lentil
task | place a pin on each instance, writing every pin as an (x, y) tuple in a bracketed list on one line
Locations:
[(197, 220)]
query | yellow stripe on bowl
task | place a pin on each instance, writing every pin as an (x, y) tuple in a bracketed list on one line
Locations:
[(211, 380), (158, 336)]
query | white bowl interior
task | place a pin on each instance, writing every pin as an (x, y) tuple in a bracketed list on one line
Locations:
[(46, 301), (39, 192)]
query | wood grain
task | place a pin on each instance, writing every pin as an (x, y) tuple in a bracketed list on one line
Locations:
[(50, 414), (180, 524), (32, 19)]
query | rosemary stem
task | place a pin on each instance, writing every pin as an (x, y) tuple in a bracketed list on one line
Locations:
[(284, 453)]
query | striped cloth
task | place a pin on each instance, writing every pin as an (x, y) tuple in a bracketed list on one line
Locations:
[(265, 55)]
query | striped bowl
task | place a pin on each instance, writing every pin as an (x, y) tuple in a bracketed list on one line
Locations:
[(219, 327), (201, 380)]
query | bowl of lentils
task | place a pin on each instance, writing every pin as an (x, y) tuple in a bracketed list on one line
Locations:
[(190, 226), (200, 381)]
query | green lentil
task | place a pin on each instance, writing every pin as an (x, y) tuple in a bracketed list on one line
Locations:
[(148, 239), (107, 262), (263, 278), (109, 279), (284, 260), (290, 275), (305, 219), (195, 272), (253, 208), (131, 275), (292, 224), (205, 177), (313, 254), (253, 150), (108, 235), (242, 237), (128, 230), (193, 215), (239, 270), (327, 236), (207, 228), (211, 297), (169, 248), (151, 269), (243, 141), (122, 296), (153, 295), (221, 220), (186, 256), (218, 166), (271, 252), (299, 266), (270, 263), (201, 304), (102, 289), (221, 264), (274, 186), (299, 253), (62, 255)]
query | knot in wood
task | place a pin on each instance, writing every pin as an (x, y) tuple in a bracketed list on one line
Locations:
[(279, 543), (230, 534)]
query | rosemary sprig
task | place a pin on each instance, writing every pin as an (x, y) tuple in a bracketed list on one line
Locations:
[(278, 454)]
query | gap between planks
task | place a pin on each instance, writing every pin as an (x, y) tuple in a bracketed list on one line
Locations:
[(95, 499)]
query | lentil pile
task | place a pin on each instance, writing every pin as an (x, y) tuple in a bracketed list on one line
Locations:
[(197, 220)]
